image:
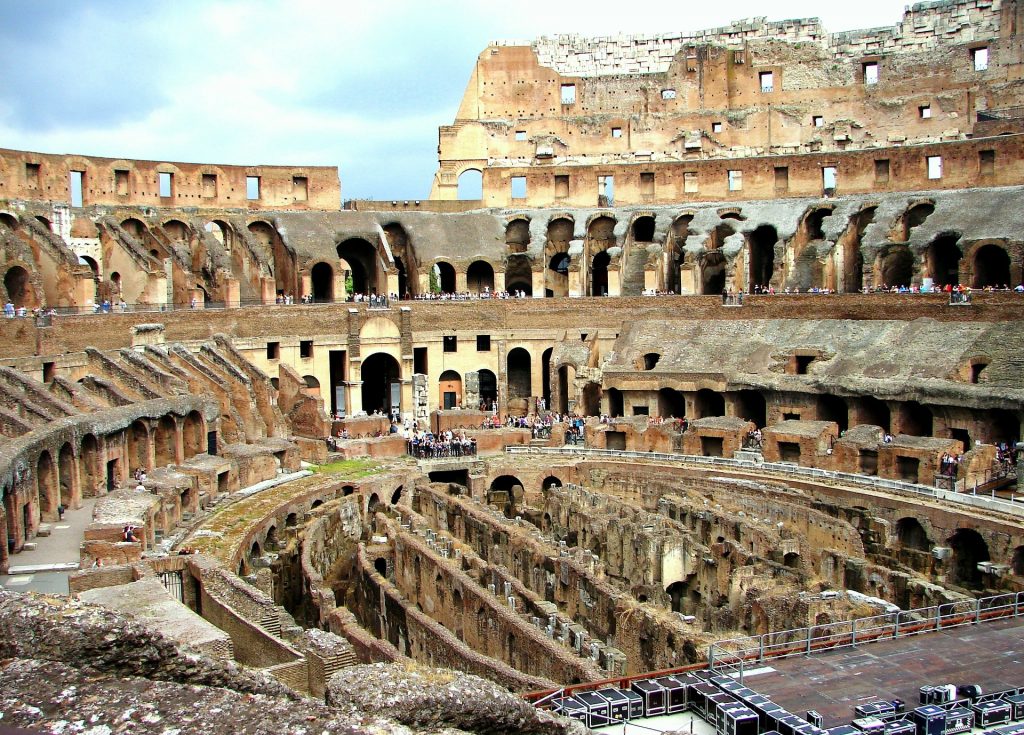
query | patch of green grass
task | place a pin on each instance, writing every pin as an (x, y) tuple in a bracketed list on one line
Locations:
[(352, 468)]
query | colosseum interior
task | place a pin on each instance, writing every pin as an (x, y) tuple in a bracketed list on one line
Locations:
[(728, 343)]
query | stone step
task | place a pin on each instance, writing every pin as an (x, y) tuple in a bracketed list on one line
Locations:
[(44, 530)]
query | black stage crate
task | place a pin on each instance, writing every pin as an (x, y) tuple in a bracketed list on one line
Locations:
[(814, 717), (618, 703), (930, 720), (675, 694), (598, 714), (790, 724), (1016, 701), (1016, 728), (959, 719), (571, 707), (875, 708), (843, 730), (636, 703), (716, 704), (739, 721), (698, 695), (900, 727), (992, 712), (869, 725), (654, 696)]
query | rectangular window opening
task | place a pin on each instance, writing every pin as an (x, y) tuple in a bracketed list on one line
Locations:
[(519, 187), (209, 186), (789, 452), (451, 343), (568, 94), (32, 175), (735, 180), (419, 360), (305, 348), (520, 135), (300, 188), (483, 343), (121, 183), (767, 81), (716, 127), (781, 178), (605, 191), (881, 170), (77, 183), (828, 179), (668, 94), (980, 58), (640, 411), (690, 182), (616, 132), (252, 187), (647, 184), (273, 350), (987, 162), (561, 186), (819, 121), (165, 184), (50, 372), (870, 69), (924, 111), (934, 167)]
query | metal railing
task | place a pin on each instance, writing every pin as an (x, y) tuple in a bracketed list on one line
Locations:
[(735, 654), (1013, 506)]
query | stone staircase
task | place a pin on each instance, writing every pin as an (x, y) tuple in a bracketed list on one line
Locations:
[(633, 270)]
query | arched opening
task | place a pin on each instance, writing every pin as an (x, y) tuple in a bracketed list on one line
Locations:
[(396, 495), (545, 377), (969, 548), (176, 230), (643, 229), (46, 485), (566, 386), (68, 476), (372, 504), (896, 266), (361, 257), (599, 274), (312, 386), (19, 288), (650, 360), (192, 435), (917, 419), (874, 412), (380, 565), (911, 535), (591, 399), (138, 446), (405, 261), (347, 490), (255, 552), (449, 390), (1018, 561), (615, 403), (134, 227), (164, 441), (382, 387), (89, 458), (556, 281), (292, 520), (791, 560), (221, 232), (814, 221), (671, 403), (751, 405), (322, 278), (503, 493), (115, 282), (444, 273), (712, 272), (9, 221), (551, 481), (684, 597), (488, 387), (915, 217), (1003, 426), (944, 260), (403, 278), (520, 386), (834, 408), (991, 267), (518, 276), (853, 256), (480, 277), (709, 403), (761, 245), (517, 235), (93, 265), (471, 185)]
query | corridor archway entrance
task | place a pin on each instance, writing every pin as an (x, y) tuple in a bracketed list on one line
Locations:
[(382, 386)]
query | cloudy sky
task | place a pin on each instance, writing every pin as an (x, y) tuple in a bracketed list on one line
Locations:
[(358, 85)]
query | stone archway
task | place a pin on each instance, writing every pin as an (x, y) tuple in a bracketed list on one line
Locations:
[(991, 267)]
